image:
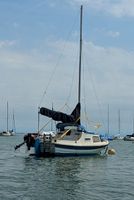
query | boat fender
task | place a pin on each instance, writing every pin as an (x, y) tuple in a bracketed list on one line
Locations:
[(111, 151)]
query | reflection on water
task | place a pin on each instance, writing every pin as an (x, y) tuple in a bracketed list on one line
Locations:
[(30, 178)]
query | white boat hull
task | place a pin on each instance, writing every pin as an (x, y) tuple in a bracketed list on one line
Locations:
[(65, 147), (128, 138), (83, 145), (5, 133), (71, 150)]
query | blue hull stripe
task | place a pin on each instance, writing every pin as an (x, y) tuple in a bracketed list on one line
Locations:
[(79, 147)]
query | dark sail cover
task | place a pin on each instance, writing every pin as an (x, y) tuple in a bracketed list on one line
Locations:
[(76, 113), (63, 117)]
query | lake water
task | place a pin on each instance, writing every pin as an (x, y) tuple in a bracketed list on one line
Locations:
[(70, 178)]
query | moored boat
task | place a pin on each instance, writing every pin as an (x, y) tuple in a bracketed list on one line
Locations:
[(70, 138), (8, 132), (5, 133), (129, 137)]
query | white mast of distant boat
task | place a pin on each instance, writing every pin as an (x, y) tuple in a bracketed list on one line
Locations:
[(119, 121), (108, 121), (7, 117), (133, 125)]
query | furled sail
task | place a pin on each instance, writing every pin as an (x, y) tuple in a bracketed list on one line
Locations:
[(63, 117)]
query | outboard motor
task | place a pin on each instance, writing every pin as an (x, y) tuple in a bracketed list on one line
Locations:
[(29, 140)]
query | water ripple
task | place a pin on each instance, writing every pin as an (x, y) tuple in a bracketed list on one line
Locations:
[(76, 178)]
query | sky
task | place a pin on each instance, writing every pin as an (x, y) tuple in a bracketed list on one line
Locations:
[(39, 48)]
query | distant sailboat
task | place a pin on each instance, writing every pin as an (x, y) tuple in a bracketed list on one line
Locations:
[(107, 135), (13, 130), (8, 132), (131, 136), (118, 135)]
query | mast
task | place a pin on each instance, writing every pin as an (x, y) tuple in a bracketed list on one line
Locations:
[(7, 116), (13, 125), (119, 121), (52, 119), (133, 124), (38, 119), (108, 120), (80, 55)]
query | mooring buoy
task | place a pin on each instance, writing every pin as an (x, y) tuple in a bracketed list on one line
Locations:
[(111, 151)]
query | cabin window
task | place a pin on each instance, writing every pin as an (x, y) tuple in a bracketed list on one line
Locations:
[(96, 139), (87, 139)]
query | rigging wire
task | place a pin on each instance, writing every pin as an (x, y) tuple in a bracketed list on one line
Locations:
[(95, 93), (57, 64), (85, 116), (83, 85), (71, 85)]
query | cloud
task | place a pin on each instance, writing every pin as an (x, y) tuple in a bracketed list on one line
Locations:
[(108, 75), (113, 34), (25, 76), (15, 25), (117, 8), (122, 8), (7, 43), (109, 33)]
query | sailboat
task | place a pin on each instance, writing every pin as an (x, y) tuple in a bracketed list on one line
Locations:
[(13, 130), (107, 135), (8, 132), (118, 136), (131, 136), (70, 137)]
